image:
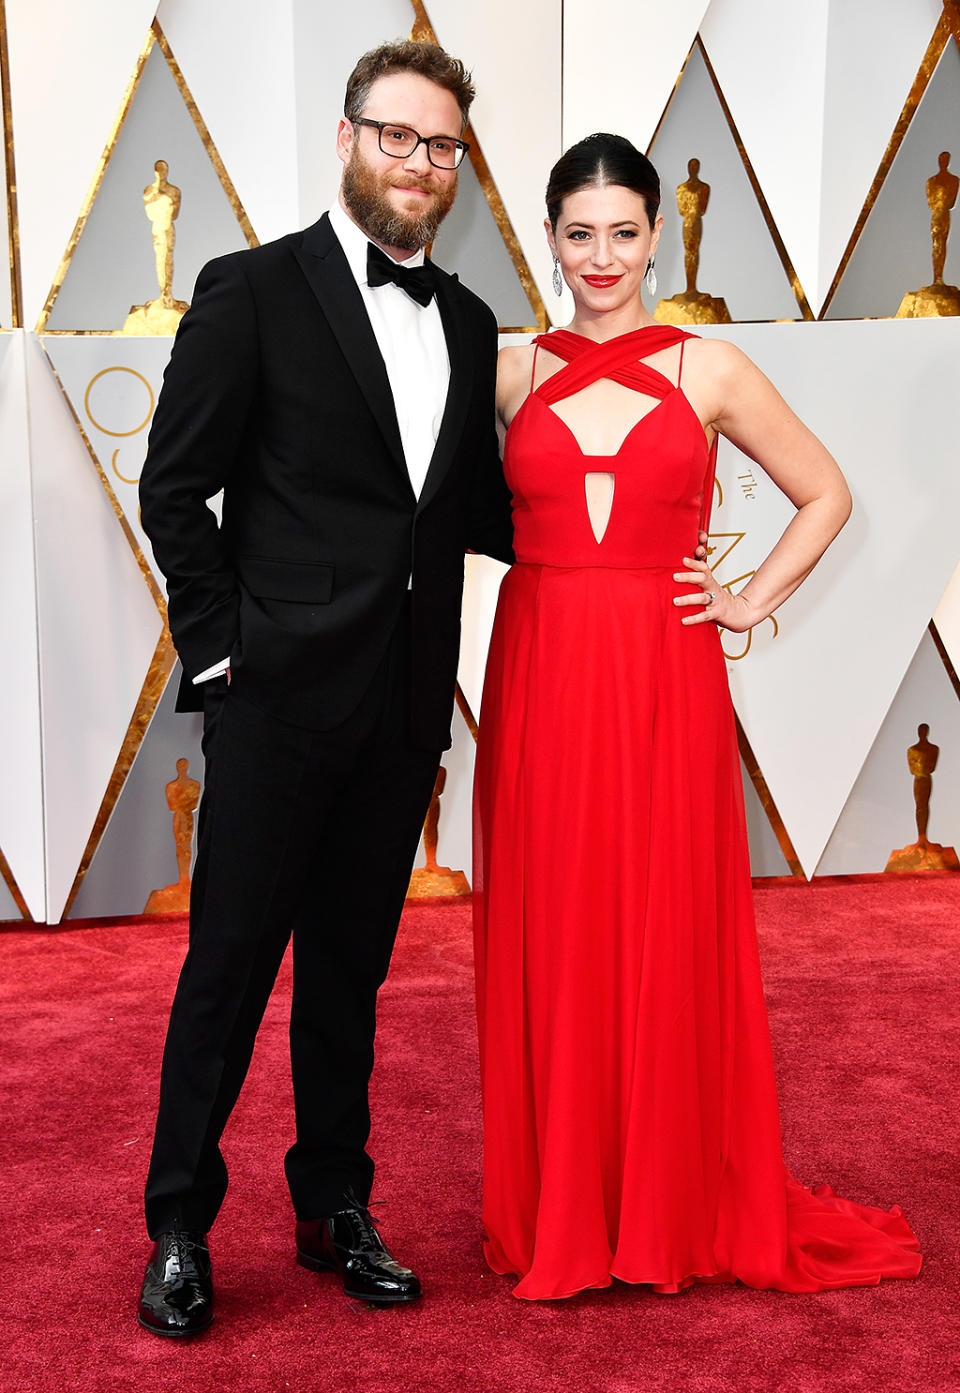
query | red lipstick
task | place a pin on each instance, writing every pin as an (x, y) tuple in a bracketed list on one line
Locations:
[(602, 282)]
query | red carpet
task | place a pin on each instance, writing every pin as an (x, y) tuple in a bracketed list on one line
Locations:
[(862, 981)]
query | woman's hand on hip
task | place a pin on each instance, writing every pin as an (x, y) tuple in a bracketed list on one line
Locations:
[(710, 603)]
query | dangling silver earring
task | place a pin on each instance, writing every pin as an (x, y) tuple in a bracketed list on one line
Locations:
[(557, 278), (651, 277)]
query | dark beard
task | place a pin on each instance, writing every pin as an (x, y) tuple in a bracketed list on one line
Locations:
[(365, 197)]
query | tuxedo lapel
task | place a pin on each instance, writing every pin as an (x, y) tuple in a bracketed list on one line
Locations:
[(458, 392), (323, 263)]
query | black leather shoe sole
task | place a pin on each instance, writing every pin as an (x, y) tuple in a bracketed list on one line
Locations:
[(173, 1332), (379, 1299)]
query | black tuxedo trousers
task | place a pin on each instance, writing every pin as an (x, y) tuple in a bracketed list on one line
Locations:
[(303, 834)]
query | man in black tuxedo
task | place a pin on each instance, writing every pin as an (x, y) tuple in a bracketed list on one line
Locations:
[(340, 390)]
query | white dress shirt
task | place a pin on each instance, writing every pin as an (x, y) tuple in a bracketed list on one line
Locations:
[(414, 350), (411, 340)]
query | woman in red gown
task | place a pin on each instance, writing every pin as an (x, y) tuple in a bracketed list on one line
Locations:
[(630, 1112)]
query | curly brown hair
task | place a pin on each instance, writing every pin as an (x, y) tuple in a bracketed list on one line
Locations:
[(408, 56)]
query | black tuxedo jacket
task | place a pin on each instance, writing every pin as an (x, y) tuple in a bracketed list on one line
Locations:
[(276, 392)]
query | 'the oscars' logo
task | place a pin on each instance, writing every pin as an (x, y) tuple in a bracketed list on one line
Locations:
[(729, 641), (120, 402)]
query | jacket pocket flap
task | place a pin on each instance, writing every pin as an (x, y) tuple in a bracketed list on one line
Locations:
[(309, 582)]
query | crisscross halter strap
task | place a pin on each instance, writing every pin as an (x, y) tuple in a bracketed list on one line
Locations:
[(587, 361)]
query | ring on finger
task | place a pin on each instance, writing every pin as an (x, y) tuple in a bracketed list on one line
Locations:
[(709, 597)]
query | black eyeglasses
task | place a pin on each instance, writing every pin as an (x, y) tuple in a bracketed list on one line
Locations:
[(443, 151)]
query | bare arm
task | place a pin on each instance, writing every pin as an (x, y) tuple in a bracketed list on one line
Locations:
[(514, 366), (490, 525), (750, 412)]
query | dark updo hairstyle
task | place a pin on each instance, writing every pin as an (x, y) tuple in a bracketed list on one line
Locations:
[(598, 160)]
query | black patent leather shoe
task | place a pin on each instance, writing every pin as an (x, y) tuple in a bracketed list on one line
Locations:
[(177, 1294), (348, 1243)]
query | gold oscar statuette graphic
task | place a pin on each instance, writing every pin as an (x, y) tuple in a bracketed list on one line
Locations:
[(183, 795), (923, 855), (430, 880), (692, 306), (938, 300), (161, 203)]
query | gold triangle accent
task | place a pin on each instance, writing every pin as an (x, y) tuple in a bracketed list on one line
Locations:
[(467, 714), (737, 539), (778, 242), (13, 222), (14, 889), (949, 23), (154, 36), (767, 803), (424, 31), (152, 690), (944, 657)]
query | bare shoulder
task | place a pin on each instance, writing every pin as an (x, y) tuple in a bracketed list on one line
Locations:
[(716, 357), (514, 364), (722, 379)]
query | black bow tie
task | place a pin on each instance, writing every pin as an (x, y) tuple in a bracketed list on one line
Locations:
[(417, 281)]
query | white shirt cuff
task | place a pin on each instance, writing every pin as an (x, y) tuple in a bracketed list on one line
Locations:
[(217, 670)]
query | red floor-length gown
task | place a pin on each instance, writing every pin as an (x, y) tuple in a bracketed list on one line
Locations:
[(630, 1111)]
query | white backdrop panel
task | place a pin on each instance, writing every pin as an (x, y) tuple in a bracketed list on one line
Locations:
[(69, 69), (874, 50), (619, 70), (237, 58), (113, 384), (515, 54), (21, 811), (99, 627), (812, 699), (770, 64)]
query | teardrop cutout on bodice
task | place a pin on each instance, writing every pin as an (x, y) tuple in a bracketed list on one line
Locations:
[(599, 487)]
